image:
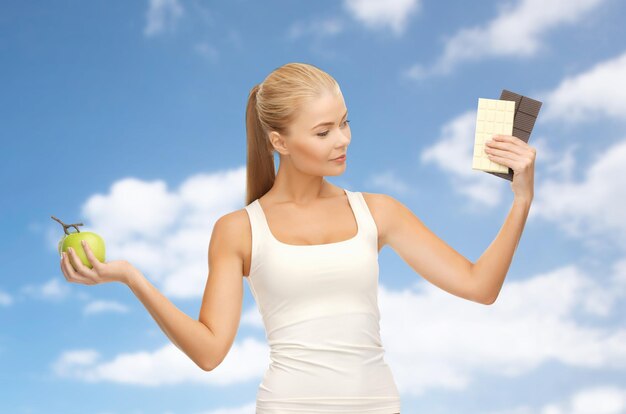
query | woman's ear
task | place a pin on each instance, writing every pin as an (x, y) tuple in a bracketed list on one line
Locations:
[(278, 143)]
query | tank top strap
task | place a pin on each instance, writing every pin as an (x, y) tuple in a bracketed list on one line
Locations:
[(259, 231), (364, 216)]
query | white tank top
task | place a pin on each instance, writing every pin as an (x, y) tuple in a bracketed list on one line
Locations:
[(320, 311)]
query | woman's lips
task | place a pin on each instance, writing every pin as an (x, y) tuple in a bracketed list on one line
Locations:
[(342, 158)]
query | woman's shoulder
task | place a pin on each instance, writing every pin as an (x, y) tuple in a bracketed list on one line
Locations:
[(382, 208), (234, 221), (378, 201), (234, 228)]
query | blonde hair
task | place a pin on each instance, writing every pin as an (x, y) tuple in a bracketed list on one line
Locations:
[(272, 106)]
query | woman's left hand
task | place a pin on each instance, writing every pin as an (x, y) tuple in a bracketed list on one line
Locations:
[(512, 152), (75, 270)]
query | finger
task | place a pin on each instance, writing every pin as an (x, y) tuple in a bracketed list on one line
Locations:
[(90, 256), (82, 270), (63, 267), (500, 160), (508, 138), (71, 274), (493, 152), (513, 163), (505, 142), (518, 142), (502, 153)]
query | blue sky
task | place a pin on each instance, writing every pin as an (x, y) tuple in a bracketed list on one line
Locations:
[(129, 117)]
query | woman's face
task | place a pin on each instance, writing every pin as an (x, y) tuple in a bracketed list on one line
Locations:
[(318, 134)]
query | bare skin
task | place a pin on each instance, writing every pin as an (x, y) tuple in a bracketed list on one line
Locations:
[(303, 208)]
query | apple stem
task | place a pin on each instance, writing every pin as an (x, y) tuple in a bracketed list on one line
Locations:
[(66, 226)]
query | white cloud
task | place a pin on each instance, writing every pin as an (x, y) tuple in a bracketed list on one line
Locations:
[(318, 27), (590, 209), (207, 50), (452, 153), (54, 289), (587, 208), (246, 361), (101, 306), (161, 15), (375, 14), (390, 181), (165, 234), (597, 400), (592, 95), (516, 32), (433, 340), (5, 299), (392, 14), (252, 317), (71, 361), (600, 399)]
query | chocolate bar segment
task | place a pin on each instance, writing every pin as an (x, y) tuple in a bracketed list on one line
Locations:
[(523, 135), (526, 112), (524, 121), (529, 106)]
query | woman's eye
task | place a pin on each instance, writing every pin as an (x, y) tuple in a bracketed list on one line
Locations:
[(323, 134)]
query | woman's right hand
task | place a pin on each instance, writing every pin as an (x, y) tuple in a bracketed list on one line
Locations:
[(75, 271)]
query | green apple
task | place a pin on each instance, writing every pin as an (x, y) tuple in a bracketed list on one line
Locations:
[(73, 240)]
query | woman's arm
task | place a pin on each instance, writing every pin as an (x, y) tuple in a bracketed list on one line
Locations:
[(423, 250), (207, 340), (491, 268), (438, 262), (190, 335)]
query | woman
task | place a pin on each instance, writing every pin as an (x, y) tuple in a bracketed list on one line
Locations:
[(309, 251)]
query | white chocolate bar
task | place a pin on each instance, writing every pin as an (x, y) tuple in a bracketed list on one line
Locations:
[(494, 116)]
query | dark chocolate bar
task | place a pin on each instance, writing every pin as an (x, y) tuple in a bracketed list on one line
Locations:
[(526, 112)]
